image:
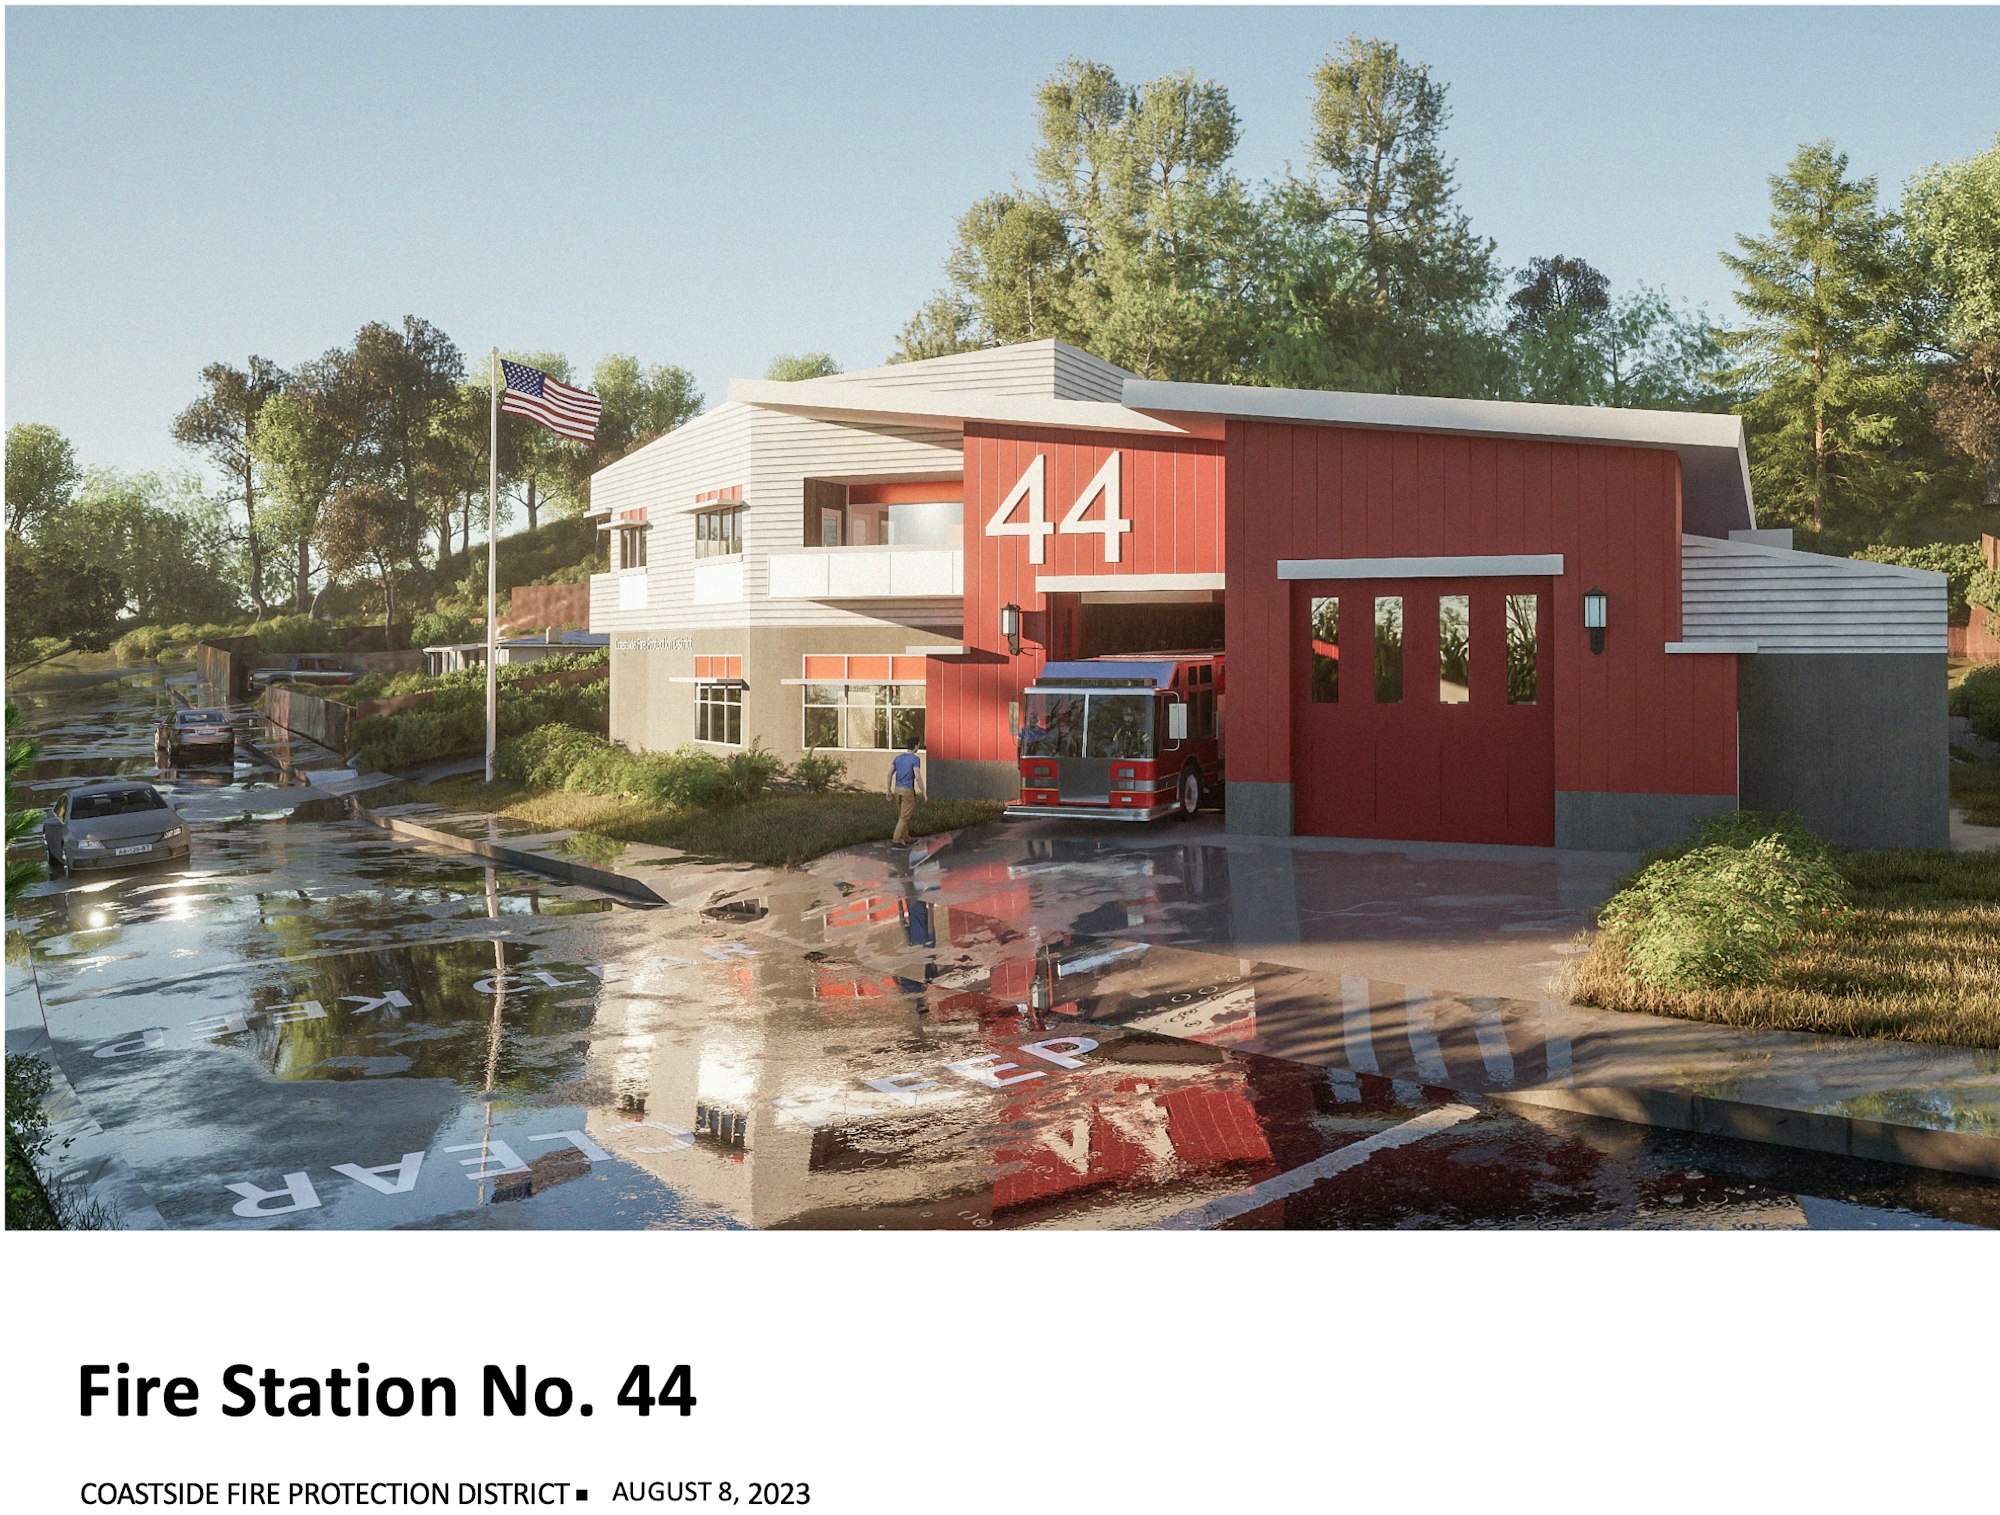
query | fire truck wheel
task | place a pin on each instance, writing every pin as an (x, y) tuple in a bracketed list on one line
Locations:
[(1190, 793)]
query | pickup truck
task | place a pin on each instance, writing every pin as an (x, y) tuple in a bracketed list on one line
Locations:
[(306, 668)]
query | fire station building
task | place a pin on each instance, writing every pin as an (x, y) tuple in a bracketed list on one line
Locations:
[(1442, 620)]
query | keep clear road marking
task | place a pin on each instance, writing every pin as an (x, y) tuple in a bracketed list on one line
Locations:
[(1215, 1211)]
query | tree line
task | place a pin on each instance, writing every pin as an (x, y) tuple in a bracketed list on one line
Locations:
[(348, 471), (1864, 353)]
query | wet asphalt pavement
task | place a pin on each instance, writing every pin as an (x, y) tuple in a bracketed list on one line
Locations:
[(312, 1025)]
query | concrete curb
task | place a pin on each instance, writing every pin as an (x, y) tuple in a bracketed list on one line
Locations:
[(1807, 1130), (562, 869)]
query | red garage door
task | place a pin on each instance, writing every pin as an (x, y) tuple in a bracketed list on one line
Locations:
[(1424, 710)]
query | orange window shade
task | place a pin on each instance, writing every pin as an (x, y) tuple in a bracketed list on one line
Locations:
[(702, 667), (908, 670), (732, 667), (868, 669), (826, 670)]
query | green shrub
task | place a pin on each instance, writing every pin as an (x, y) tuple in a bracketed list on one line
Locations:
[(1721, 911), (819, 771), (549, 756), (293, 633), (441, 628), (750, 773), (142, 644), (1959, 562), (1978, 696)]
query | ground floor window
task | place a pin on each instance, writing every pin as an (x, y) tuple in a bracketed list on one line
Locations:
[(863, 703), (718, 713)]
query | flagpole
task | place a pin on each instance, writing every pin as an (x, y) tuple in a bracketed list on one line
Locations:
[(492, 564)]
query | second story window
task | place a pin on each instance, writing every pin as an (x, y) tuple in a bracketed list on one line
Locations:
[(719, 532), (632, 546)]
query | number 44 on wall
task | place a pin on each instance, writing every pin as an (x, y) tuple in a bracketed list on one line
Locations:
[(1032, 487)]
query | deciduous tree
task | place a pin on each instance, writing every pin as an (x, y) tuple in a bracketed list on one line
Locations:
[(219, 426), (789, 367), (368, 529), (41, 475), (309, 441), (406, 379)]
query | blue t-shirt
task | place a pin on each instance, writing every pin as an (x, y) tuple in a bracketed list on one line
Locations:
[(905, 769)]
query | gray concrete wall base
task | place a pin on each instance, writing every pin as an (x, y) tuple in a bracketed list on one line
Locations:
[(1258, 809), (1602, 821), (968, 779), (1857, 743)]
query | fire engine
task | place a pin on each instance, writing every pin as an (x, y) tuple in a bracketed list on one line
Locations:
[(1126, 738)]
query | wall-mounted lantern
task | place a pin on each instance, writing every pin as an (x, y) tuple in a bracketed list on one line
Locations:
[(1596, 609), (1010, 627)]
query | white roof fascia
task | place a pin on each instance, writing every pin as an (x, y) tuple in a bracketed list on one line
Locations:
[(835, 401), (1716, 462)]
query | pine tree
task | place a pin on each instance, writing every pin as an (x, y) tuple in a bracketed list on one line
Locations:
[(1822, 356)]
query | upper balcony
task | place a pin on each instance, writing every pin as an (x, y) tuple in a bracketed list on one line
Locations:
[(868, 573)]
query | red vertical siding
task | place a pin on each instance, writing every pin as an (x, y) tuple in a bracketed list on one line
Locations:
[(1172, 494), (1633, 719)]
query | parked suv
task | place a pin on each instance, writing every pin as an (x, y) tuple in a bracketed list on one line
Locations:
[(306, 668)]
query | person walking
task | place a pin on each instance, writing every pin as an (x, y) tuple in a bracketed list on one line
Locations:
[(906, 787)]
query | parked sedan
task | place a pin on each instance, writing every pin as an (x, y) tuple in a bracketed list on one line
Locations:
[(306, 668), (115, 824), (195, 736)]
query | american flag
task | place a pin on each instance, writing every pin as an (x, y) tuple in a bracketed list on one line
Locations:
[(564, 410)]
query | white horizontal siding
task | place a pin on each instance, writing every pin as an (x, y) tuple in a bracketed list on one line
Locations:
[(1802, 602), (1048, 369), (770, 454)]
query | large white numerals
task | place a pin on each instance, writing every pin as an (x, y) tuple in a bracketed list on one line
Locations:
[(1031, 487), (1112, 524), (1036, 528)]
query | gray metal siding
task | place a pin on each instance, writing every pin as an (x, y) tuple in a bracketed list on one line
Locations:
[(1804, 602)]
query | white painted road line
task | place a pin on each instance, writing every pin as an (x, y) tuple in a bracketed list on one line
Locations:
[(1355, 1029), (1215, 1211), (1491, 1031), (1421, 1028)]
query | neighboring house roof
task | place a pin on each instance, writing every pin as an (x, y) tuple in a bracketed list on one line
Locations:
[(1747, 597)]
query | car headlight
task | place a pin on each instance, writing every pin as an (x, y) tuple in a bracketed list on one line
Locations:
[(171, 832), (87, 844)]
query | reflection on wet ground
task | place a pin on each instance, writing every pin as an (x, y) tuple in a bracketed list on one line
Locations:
[(312, 1025)]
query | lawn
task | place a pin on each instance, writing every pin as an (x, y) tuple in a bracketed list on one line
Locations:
[(1917, 960), (779, 830)]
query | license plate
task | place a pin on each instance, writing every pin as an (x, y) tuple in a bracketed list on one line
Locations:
[(128, 851)]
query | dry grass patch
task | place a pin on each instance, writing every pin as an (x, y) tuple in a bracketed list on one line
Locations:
[(1917, 959)]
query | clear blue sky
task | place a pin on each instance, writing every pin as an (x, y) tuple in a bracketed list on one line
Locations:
[(713, 187)]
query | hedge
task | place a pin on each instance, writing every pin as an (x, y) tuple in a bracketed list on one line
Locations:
[(455, 720), (1959, 562)]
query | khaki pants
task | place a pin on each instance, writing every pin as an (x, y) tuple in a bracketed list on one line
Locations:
[(906, 806)]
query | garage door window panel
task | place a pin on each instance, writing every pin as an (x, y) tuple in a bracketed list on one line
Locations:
[(1523, 672), (1324, 636), (1388, 649), (1454, 649)]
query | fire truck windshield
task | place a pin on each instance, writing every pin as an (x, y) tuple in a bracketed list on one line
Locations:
[(1088, 725)]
